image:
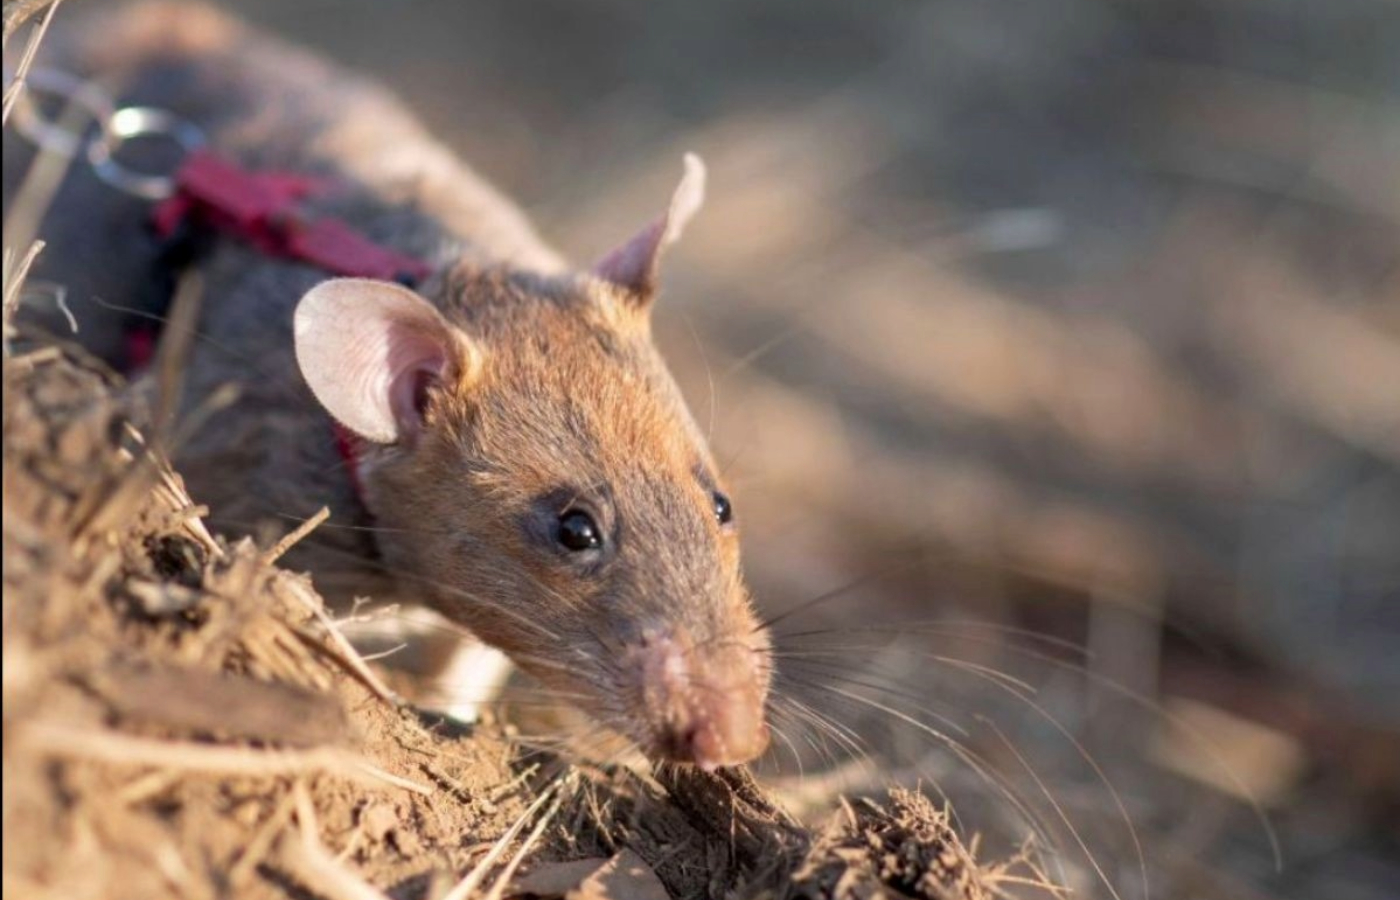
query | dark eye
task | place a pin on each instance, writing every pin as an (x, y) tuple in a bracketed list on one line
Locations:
[(578, 531), (724, 510)]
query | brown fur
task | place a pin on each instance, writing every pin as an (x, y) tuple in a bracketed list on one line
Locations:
[(571, 401), (568, 399)]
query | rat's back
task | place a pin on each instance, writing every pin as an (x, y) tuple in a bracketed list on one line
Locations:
[(274, 105), (269, 107), (511, 446)]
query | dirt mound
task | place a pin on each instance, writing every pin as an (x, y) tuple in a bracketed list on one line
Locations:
[(176, 709), (181, 719)]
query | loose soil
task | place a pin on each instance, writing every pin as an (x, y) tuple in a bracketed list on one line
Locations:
[(182, 720)]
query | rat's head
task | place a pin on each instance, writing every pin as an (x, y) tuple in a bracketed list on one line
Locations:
[(536, 474)]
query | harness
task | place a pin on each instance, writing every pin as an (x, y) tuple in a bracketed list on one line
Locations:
[(208, 195), (264, 210)]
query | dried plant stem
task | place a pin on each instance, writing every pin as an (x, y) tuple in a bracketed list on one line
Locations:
[(498, 888), (23, 10), (121, 749), (17, 12), (346, 655), (310, 862), (262, 842), (473, 879), (16, 269), (297, 536)]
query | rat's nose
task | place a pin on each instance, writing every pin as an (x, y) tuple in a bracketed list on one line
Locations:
[(715, 738), (704, 705)]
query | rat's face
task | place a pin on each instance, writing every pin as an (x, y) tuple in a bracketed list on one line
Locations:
[(536, 471), (578, 521)]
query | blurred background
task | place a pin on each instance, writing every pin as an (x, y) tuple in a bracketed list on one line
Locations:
[(1052, 349)]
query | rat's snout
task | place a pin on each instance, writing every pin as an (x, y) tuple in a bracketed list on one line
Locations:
[(704, 701)]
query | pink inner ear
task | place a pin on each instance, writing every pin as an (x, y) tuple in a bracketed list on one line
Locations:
[(369, 351), (634, 264), (416, 361)]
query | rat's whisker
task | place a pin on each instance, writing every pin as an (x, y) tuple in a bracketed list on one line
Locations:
[(509, 695), (449, 589), (941, 627), (1056, 806), (978, 764), (830, 664), (794, 326), (368, 529), (1143, 701), (837, 674), (1202, 742), (1023, 693), (1012, 688), (780, 714), (200, 336), (827, 728), (455, 591), (832, 594), (781, 735), (709, 376)]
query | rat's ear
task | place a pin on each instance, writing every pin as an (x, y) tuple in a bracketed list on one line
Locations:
[(633, 266), (371, 351)]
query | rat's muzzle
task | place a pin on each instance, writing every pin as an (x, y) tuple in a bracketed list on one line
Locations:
[(704, 703)]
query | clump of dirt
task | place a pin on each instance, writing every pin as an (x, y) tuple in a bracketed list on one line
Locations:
[(903, 848), (182, 719)]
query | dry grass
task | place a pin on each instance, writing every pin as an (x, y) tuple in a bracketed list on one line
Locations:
[(182, 718), (126, 623), (1135, 411)]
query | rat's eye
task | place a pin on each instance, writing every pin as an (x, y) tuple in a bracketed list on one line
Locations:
[(724, 510), (578, 531)]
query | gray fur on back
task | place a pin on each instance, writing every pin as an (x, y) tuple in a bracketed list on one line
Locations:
[(266, 105)]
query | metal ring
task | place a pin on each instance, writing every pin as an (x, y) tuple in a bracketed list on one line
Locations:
[(132, 122), (48, 134)]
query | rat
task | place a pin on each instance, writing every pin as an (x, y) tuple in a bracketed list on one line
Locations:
[(523, 462)]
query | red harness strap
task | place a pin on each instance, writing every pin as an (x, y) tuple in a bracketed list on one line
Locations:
[(347, 444), (264, 210)]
